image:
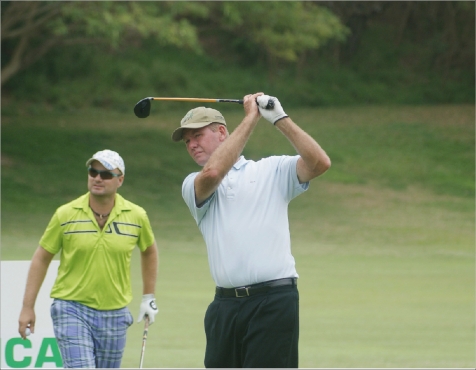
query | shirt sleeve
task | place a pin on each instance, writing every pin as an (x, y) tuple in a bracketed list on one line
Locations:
[(52, 239), (146, 238), (188, 194), (287, 171)]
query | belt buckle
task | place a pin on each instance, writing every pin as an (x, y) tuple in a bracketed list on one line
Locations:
[(237, 292)]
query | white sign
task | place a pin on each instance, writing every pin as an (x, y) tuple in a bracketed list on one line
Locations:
[(40, 350)]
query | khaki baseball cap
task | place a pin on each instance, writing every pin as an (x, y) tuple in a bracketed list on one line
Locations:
[(196, 118), (109, 159)]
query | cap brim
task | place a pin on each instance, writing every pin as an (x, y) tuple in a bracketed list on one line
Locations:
[(90, 160), (106, 165), (177, 134)]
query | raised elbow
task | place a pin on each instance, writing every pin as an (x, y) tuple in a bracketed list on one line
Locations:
[(209, 179), (322, 166), (326, 163), (211, 175)]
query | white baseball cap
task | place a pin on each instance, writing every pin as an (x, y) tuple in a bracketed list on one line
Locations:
[(109, 159)]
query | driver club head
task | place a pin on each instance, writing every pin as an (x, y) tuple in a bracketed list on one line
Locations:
[(142, 108)]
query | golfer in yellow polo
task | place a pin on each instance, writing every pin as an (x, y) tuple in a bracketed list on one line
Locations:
[(95, 235)]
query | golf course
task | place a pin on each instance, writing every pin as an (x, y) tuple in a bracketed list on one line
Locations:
[(383, 242)]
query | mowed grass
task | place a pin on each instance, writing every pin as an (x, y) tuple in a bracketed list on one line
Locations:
[(383, 242)]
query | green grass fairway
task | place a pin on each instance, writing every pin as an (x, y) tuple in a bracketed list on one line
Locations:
[(356, 312), (384, 242)]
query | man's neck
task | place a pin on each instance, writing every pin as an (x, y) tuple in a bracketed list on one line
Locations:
[(102, 205)]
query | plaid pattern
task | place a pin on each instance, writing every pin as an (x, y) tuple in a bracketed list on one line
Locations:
[(89, 338)]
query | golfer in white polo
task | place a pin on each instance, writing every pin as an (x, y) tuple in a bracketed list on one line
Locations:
[(241, 208)]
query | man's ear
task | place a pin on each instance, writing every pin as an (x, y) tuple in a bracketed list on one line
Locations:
[(222, 130)]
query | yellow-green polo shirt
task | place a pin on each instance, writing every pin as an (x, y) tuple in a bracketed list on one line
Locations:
[(95, 264)]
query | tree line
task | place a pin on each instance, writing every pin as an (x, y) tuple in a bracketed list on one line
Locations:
[(276, 32), (283, 30)]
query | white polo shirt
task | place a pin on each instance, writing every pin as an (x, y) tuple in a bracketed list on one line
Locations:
[(245, 222)]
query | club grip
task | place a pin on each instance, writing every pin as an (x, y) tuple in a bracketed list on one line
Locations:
[(270, 104), (229, 101)]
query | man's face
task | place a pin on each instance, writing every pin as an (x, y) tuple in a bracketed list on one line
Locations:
[(202, 142), (99, 187)]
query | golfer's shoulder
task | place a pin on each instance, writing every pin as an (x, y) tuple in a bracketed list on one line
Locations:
[(72, 206), (124, 205), (190, 178), (277, 160)]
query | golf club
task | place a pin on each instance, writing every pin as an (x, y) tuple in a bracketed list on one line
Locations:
[(144, 339), (142, 108)]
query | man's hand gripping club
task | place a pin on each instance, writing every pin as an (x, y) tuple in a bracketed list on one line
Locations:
[(148, 308), (274, 114)]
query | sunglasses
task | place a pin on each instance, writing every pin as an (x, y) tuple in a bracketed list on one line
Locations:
[(105, 175)]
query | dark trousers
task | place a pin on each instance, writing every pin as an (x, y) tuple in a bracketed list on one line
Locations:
[(260, 331)]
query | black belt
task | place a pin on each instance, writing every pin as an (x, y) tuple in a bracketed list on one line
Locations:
[(246, 291)]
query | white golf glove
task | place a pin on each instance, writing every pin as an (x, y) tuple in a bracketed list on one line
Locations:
[(148, 307), (273, 114)]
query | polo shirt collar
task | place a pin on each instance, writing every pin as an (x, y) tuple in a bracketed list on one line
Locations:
[(119, 203), (240, 163)]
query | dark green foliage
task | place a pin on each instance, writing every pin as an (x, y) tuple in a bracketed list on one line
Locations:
[(82, 77), (396, 53)]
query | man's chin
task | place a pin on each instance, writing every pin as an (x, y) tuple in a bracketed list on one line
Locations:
[(200, 161), (97, 192)]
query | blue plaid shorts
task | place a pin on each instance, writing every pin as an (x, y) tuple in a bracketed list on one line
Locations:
[(89, 338)]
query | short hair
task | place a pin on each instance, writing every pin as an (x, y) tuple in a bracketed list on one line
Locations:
[(214, 127)]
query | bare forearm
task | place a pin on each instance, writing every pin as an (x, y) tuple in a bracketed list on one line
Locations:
[(149, 264), (36, 275), (226, 155), (315, 160)]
